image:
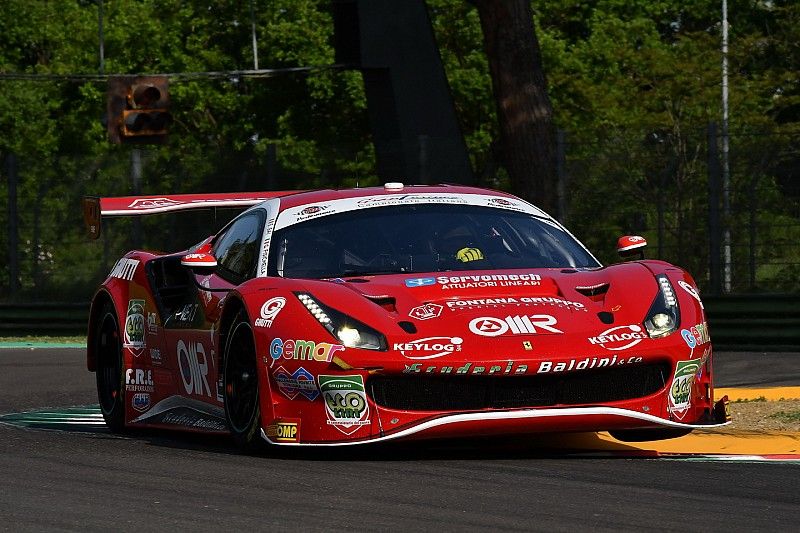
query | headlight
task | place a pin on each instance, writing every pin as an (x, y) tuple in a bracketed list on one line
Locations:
[(351, 332), (664, 315)]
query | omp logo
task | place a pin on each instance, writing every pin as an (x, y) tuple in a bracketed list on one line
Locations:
[(429, 348), (194, 368), (149, 203), (488, 326), (269, 311), (124, 269), (619, 337), (283, 431)]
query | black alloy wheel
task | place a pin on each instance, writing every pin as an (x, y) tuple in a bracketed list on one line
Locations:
[(240, 377), (109, 371)]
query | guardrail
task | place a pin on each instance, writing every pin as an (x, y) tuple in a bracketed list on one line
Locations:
[(757, 322), (21, 319), (736, 323)]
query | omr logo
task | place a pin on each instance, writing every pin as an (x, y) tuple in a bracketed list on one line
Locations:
[(489, 326)]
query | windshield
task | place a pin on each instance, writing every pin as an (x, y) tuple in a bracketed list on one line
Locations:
[(422, 238)]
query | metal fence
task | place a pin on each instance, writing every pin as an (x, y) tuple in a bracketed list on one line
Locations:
[(668, 187)]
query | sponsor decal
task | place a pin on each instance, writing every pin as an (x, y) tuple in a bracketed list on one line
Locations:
[(206, 295), (312, 211), (184, 316), (301, 381), (680, 393), (139, 380), (426, 311), (696, 335), (193, 363), (693, 292), (141, 401), (489, 280), (587, 363), (262, 269), (474, 281), (148, 203), (429, 348), (269, 311), (619, 337), (193, 420), (124, 269), (471, 368), (301, 350), (345, 402), (501, 301), (152, 323), (155, 356), (380, 201), (284, 430), (511, 367), (133, 336), (501, 202), (420, 282), (489, 326)]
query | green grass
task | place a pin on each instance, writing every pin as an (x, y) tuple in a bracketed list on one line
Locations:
[(786, 416), (77, 339), (759, 399)]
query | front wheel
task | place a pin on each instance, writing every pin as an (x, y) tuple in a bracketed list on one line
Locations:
[(109, 371), (240, 377)]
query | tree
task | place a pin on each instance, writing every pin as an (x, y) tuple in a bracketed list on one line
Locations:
[(524, 111)]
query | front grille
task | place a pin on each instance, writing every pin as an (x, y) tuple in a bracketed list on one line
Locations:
[(422, 392)]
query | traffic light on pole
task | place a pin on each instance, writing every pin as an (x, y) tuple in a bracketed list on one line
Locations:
[(138, 109)]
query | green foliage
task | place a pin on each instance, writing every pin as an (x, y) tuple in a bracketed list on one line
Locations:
[(633, 84)]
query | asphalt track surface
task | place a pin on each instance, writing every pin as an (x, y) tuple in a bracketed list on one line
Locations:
[(82, 480)]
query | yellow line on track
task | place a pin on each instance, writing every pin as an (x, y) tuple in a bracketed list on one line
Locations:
[(770, 393)]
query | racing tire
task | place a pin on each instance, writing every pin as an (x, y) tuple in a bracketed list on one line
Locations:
[(240, 380), (109, 371)]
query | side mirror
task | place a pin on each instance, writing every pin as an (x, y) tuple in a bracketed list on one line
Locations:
[(631, 247), (199, 263)]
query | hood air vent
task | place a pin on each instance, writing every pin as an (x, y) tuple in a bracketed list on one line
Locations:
[(593, 290)]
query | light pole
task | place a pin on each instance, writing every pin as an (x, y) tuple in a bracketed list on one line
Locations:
[(726, 172)]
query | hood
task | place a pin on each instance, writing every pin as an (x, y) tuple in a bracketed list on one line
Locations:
[(474, 316)]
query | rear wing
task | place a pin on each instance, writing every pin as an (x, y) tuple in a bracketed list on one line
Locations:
[(95, 208)]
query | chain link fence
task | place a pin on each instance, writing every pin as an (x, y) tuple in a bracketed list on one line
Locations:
[(667, 186)]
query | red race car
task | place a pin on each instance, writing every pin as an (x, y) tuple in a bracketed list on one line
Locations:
[(340, 317)]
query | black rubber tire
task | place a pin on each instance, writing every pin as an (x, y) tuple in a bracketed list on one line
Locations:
[(240, 380), (109, 371)]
